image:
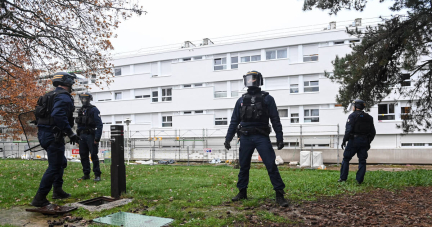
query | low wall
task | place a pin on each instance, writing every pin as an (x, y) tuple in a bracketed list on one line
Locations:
[(376, 156)]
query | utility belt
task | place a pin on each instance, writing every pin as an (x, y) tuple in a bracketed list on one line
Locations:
[(90, 131), (265, 130)]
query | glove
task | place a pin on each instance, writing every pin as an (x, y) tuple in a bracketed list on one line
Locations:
[(74, 138), (280, 145), (343, 144), (227, 145)]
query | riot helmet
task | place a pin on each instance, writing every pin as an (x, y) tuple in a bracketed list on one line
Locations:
[(64, 79), (85, 98), (359, 104), (253, 79)]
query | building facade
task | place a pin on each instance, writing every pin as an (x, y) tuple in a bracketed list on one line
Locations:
[(190, 92)]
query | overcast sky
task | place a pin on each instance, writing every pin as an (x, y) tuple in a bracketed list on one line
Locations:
[(175, 21)]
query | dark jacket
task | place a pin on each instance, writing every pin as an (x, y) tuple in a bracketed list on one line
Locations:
[(349, 127), (95, 114), (272, 112), (62, 112)]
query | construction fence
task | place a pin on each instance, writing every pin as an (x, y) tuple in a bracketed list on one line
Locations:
[(197, 145)]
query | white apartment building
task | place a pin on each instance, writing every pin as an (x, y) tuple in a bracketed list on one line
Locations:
[(171, 93)]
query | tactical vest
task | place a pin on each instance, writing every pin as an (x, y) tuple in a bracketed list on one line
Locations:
[(45, 105), (84, 118), (253, 108), (363, 124)]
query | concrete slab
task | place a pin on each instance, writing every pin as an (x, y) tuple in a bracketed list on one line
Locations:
[(17, 216), (106, 206)]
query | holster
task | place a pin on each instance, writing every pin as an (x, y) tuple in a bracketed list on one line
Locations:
[(58, 134)]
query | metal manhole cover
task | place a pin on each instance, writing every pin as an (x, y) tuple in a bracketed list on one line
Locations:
[(131, 220)]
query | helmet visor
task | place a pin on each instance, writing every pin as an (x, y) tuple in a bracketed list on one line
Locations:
[(252, 80), (85, 100)]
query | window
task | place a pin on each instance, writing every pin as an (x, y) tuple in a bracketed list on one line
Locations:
[(293, 144), (117, 96), (187, 85), (187, 59), (310, 52), (283, 113), (221, 121), (165, 68), (405, 113), (219, 63), (119, 122), (199, 111), (294, 88), (311, 86), (103, 96), (198, 85), (155, 97), (295, 118), (251, 58), (355, 41), (93, 78), (406, 80), (234, 62), (311, 115), (276, 82), (236, 87), (187, 112), (198, 58), (419, 144), (273, 54), (386, 112), (142, 96), (221, 117), (166, 121), (406, 144), (166, 94), (117, 72), (220, 89), (339, 42)]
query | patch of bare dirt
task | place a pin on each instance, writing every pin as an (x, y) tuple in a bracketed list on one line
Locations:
[(409, 207)]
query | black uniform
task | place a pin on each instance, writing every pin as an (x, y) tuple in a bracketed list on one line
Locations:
[(90, 130), (359, 132), (50, 135), (253, 112)]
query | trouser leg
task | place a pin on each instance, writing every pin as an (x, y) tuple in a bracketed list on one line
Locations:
[(362, 156), (348, 154), (55, 152), (95, 157), (268, 156), (247, 148), (84, 150)]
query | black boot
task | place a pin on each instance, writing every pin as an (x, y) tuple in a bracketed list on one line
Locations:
[(40, 200), (280, 198), (97, 178), (241, 195), (58, 193), (85, 177)]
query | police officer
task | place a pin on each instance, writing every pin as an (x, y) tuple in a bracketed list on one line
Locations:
[(54, 113), (253, 111), (90, 130), (359, 133)]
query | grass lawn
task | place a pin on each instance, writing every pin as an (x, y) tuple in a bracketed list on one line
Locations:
[(194, 194)]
